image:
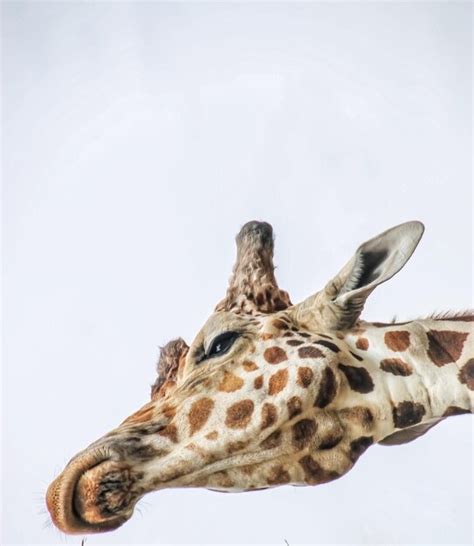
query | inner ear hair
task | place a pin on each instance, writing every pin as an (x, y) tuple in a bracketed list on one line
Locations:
[(365, 270), (339, 305), (375, 262)]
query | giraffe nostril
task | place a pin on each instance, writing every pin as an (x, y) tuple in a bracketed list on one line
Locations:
[(103, 492)]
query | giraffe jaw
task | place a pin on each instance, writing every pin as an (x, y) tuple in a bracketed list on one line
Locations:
[(73, 498)]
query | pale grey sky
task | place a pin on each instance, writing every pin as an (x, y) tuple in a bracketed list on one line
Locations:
[(138, 138)]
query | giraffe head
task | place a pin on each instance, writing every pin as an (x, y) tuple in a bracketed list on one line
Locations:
[(257, 400)]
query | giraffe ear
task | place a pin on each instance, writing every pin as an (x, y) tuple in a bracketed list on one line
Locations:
[(341, 302)]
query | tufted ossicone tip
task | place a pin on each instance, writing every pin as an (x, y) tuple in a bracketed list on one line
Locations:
[(252, 286), (258, 234)]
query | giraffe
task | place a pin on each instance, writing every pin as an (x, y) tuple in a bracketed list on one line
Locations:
[(270, 393)]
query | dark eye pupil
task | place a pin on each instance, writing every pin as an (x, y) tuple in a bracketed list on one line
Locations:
[(222, 343)]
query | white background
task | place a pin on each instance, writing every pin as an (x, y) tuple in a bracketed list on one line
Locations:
[(138, 138)]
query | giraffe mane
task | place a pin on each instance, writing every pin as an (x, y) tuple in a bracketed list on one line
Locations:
[(467, 315)]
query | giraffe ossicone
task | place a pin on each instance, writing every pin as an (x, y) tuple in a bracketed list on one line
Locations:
[(270, 393)]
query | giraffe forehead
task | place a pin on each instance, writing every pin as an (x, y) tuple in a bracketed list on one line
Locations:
[(222, 321), (232, 319)]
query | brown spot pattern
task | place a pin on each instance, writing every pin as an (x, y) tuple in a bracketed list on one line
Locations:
[(327, 389), (170, 432), (275, 355), (277, 382), (295, 406), (358, 378), (309, 352), (239, 414), (323, 335), (258, 382), (396, 366), (294, 342), (357, 447), (407, 414), (199, 413), (269, 415), (249, 366), (247, 469), (314, 473), (280, 325), (232, 447), (222, 479), (398, 340), (278, 476), (230, 382), (303, 432), (362, 343), (466, 374), (197, 449), (133, 447), (356, 356), (328, 344), (330, 441), (212, 435), (168, 411), (305, 376), (445, 346), (360, 415)]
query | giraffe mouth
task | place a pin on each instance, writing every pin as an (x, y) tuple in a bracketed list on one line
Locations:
[(92, 495)]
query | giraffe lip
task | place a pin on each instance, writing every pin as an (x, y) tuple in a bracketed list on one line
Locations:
[(71, 515)]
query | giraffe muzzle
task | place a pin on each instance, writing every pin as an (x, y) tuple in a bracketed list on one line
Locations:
[(92, 495)]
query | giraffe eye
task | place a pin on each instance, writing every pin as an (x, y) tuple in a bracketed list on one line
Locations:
[(221, 344)]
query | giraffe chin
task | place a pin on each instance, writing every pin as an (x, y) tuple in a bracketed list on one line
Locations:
[(92, 495)]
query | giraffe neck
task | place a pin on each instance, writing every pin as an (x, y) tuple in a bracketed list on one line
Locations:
[(423, 371)]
